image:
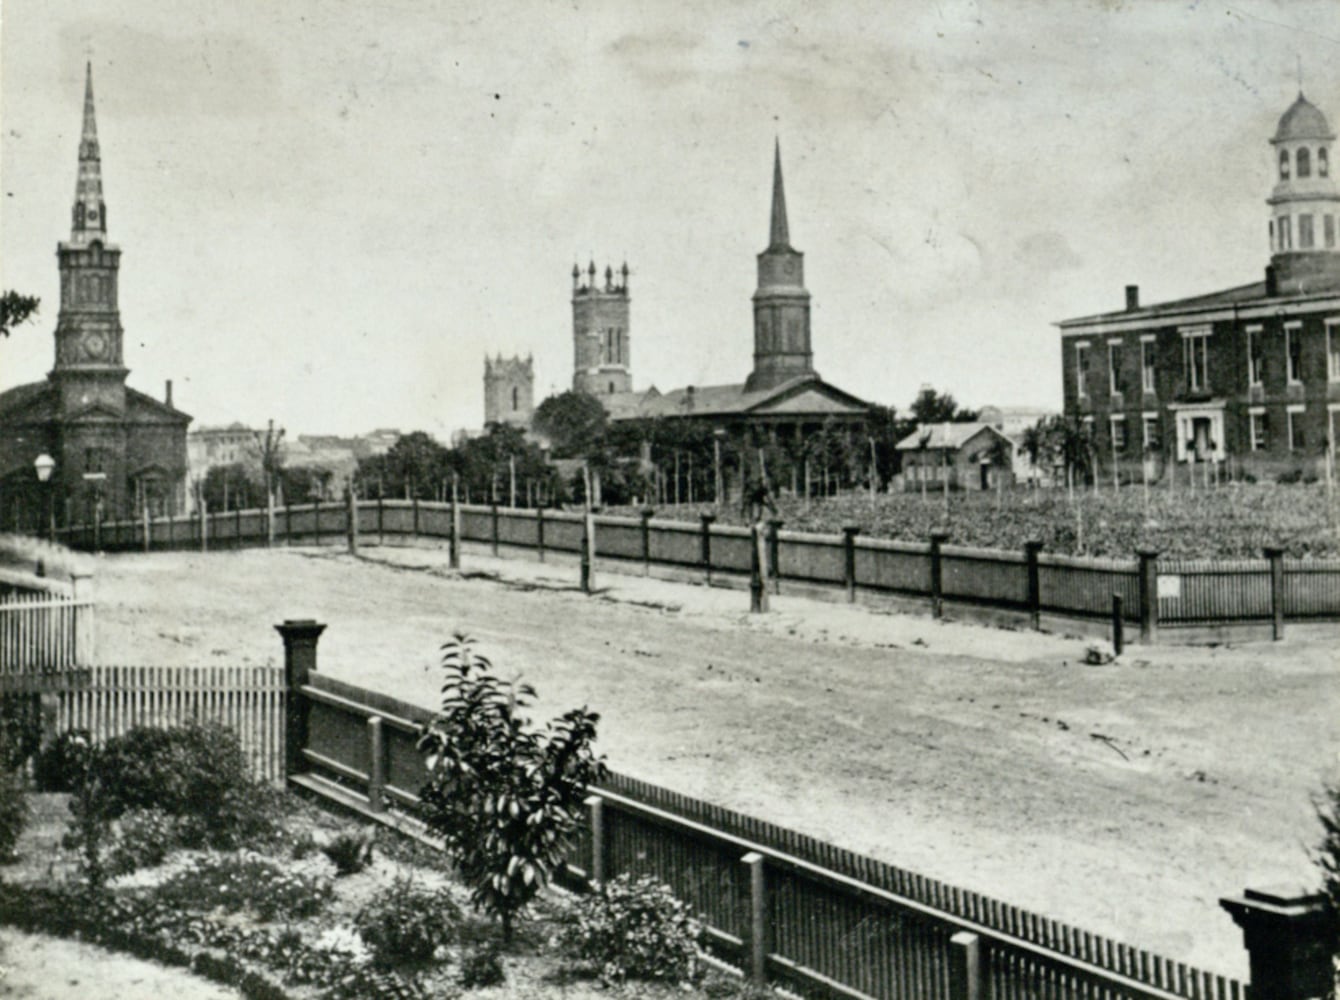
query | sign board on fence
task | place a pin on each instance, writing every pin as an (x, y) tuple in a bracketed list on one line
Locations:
[(1170, 586)]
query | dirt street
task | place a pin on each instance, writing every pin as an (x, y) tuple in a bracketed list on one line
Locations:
[(1125, 799)]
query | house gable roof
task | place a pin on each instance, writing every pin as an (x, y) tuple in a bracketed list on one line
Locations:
[(952, 436)]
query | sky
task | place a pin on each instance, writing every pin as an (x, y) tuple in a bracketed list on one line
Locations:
[(331, 211)]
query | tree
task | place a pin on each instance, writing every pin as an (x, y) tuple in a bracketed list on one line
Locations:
[(504, 797), (575, 424), (16, 309), (414, 464), (1000, 456), (931, 407)]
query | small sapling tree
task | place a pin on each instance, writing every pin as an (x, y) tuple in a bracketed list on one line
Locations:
[(504, 796)]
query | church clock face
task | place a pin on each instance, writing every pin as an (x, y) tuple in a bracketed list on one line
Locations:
[(95, 346)]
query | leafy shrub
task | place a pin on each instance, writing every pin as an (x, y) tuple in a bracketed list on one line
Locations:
[(20, 730), (405, 923), (481, 966), (13, 811), (143, 838), (59, 765), (197, 772), (236, 882), (350, 851), (1328, 859), (504, 797), (634, 927)]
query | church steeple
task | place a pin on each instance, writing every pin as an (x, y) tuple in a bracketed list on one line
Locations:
[(90, 212), (781, 303), (779, 238)]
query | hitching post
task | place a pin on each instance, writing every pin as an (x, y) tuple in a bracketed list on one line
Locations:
[(1032, 549), (1118, 639), (1149, 594), (300, 637), (938, 538), (707, 520), (758, 925), (1287, 935), (1276, 556), (758, 559), (645, 525), (376, 765), (775, 553), (849, 534)]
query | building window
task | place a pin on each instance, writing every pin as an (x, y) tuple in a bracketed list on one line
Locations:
[(1147, 365), (1286, 234), (1082, 370), (1293, 351), (1153, 440), (516, 395), (1118, 435), (1196, 359), (1284, 164), (1297, 438), (1323, 167), (1328, 229), (1260, 430), (95, 460), (1270, 232), (1304, 162), (1305, 232), (1333, 350), (1255, 356), (1114, 367)]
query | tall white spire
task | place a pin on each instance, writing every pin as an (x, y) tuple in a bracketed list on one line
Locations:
[(90, 211)]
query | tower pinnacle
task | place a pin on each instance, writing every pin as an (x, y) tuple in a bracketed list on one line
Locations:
[(90, 212), (778, 236)]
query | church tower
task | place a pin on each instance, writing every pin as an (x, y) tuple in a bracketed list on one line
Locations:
[(781, 303), (1305, 204), (601, 365), (509, 391), (89, 369)]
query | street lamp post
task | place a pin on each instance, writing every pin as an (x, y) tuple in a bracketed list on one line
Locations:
[(43, 465)]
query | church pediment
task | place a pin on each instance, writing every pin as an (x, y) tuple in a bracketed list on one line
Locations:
[(94, 413), (811, 397)]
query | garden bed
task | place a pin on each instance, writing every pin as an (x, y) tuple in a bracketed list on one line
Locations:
[(275, 918)]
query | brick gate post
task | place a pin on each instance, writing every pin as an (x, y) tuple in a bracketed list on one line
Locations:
[(300, 638), (1289, 936)]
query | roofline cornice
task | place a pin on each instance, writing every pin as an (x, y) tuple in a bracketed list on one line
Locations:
[(1252, 309)]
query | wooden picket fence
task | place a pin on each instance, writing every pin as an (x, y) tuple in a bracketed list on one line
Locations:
[(109, 700), (40, 631), (822, 920)]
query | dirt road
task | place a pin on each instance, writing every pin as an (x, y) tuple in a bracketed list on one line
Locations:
[(1125, 799)]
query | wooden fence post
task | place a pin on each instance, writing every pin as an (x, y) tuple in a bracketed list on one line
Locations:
[(707, 520), (1032, 549), (288, 522), (1149, 594), (237, 528), (588, 552), (1118, 636), (1276, 556), (85, 637), (595, 819), (775, 553), (454, 545), (269, 518), (416, 517), (376, 765), (316, 520), (147, 523), (300, 638), (204, 525), (758, 570), (966, 981), (381, 525), (1288, 939), (493, 528), (539, 532), (758, 924), (171, 539), (938, 538), (351, 528), (849, 533), (645, 525)]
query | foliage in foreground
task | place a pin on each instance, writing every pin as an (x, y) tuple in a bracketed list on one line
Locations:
[(245, 882), (503, 796), (13, 811), (1328, 859), (633, 928), (406, 923)]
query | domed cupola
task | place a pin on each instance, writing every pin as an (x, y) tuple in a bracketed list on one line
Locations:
[(1304, 205)]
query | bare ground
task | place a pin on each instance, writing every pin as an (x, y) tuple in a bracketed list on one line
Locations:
[(1125, 799)]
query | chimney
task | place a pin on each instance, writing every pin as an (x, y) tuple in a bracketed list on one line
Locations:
[(688, 398), (167, 393), (1272, 282), (1132, 297)]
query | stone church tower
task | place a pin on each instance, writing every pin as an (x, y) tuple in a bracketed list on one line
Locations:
[(601, 364), (509, 391), (781, 303)]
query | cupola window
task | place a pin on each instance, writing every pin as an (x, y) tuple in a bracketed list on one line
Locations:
[(1284, 164), (1304, 162), (79, 215), (1323, 167)]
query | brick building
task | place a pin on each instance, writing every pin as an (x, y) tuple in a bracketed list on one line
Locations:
[(1248, 376), (112, 445)]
